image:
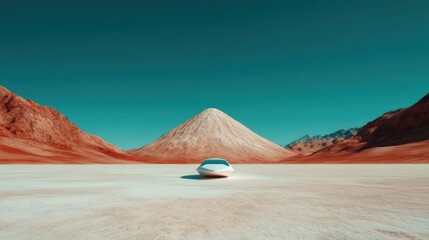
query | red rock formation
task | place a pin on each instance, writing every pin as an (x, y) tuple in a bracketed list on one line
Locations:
[(398, 127), (399, 136), (212, 133), (43, 126)]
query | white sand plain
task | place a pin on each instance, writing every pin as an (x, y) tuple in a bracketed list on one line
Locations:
[(257, 202)]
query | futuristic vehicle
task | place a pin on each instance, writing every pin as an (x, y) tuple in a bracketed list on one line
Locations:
[(215, 167)]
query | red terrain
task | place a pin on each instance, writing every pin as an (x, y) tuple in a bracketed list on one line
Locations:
[(32, 133), (400, 136)]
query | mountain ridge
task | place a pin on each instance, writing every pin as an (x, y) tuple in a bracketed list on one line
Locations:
[(26, 120), (309, 144), (32, 133), (399, 136)]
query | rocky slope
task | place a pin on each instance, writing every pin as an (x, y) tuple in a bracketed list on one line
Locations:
[(309, 144), (211, 133), (25, 123), (396, 136), (415, 152), (398, 127)]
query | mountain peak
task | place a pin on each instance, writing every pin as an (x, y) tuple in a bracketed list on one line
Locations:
[(211, 133), (4, 91), (211, 111)]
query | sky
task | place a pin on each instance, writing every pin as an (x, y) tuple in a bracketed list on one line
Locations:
[(129, 71)]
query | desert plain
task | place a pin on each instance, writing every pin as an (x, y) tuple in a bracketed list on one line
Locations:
[(151, 201)]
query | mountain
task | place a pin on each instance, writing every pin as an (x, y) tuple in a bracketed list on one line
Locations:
[(211, 133), (398, 127), (400, 136), (309, 144), (30, 132)]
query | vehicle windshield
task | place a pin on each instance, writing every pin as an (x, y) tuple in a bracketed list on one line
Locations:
[(215, 161)]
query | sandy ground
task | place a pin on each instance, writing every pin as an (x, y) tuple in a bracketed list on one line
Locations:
[(257, 202)]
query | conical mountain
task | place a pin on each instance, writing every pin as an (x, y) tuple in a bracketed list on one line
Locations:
[(211, 133)]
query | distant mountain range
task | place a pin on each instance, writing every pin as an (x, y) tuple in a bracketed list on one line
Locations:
[(31, 133), (309, 144)]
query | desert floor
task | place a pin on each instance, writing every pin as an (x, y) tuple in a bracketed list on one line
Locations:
[(256, 202)]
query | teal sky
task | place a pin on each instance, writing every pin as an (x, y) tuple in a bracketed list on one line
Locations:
[(129, 71)]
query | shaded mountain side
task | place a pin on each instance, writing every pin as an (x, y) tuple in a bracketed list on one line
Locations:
[(398, 127), (416, 152)]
